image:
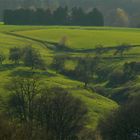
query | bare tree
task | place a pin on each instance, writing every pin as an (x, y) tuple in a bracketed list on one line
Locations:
[(24, 92), (63, 115)]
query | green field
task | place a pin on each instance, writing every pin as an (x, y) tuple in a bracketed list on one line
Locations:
[(84, 38), (78, 38)]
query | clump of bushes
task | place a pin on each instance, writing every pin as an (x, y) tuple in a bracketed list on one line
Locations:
[(121, 76), (123, 123), (28, 55), (32, 58)]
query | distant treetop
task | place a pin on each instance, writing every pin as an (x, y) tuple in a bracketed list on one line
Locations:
[(59, 16)]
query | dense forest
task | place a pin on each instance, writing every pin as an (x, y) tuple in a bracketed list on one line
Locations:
[(60, 16), (127, 8)]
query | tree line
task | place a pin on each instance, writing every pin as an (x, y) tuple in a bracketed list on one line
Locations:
[(60, 16)]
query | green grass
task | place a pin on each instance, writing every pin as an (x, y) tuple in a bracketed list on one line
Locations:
[(97, 105), (78, 38), (85, 38)]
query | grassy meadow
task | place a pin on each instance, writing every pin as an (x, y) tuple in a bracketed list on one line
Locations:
[(78, 38), (86, 38)]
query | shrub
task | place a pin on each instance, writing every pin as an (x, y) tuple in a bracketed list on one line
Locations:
[(116, 78), (32, 58), (123, 123), (15, 55)]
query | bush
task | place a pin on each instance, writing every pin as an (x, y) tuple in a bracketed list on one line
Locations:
[(116, 78), (2, 58), (123, 123), (6, 130), (32, 58), (15, 55), (103, 72), (59, 62)]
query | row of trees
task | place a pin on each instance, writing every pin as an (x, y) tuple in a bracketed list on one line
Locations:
[(60, 16), (28, 55)]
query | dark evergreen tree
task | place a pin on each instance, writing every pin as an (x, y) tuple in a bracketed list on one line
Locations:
[(48, 17), (39, 17), (77, 16), (95, 18), (60, 16)]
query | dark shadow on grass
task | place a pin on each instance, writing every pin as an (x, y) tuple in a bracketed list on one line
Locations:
[(120, 58), (5, 67), (56, 47)]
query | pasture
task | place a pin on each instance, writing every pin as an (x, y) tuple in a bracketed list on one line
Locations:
[(78, 38)]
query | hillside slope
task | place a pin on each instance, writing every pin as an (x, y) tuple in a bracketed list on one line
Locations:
[(85, 40), (97, 105)]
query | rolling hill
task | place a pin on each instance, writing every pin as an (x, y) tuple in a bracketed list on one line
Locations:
[(81, 41), (12, 36)]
